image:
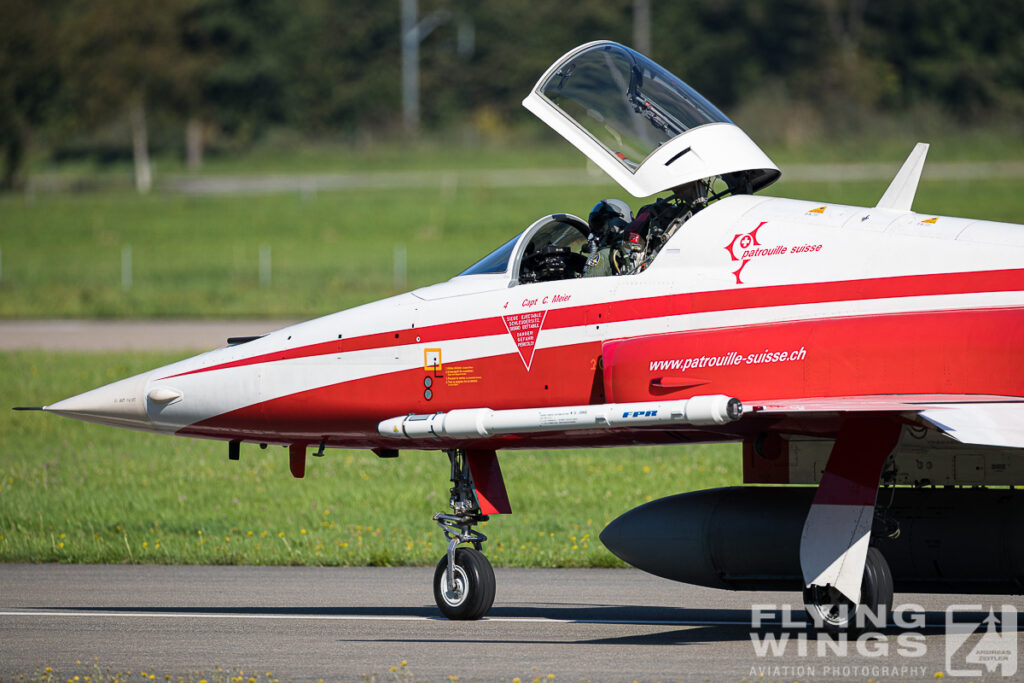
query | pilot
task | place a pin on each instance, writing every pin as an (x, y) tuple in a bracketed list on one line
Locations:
[(608, 220)]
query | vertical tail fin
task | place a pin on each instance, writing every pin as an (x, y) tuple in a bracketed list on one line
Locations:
[(900, 194)]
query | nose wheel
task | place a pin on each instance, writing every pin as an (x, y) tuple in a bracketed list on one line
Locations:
[(469, 594), (464, 582)]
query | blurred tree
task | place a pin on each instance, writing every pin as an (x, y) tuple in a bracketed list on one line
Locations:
[(243, 47), (236, 68), (29, 80), (344, 70), (967, 56), (123, 56), (515, 42)]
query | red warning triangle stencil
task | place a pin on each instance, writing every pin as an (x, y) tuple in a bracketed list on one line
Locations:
[(524, 328)]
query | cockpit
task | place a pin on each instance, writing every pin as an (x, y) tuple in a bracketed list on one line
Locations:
[(651, 133), (547, 250), (564, 246)]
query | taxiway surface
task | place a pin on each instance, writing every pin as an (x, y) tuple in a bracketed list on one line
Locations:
[(302, 623), (128, 335)]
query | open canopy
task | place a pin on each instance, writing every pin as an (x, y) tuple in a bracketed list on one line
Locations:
[(647, 129)]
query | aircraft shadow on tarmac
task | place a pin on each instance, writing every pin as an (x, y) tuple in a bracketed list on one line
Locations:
[(626, 614), (694, 635), (694, 625)]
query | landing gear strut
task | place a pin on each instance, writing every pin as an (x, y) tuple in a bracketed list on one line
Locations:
[(464, 580)]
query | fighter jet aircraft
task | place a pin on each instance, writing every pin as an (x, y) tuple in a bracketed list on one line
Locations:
[(868, 359)]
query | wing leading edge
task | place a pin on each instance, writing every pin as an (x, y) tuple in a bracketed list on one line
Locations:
[(968, 419)]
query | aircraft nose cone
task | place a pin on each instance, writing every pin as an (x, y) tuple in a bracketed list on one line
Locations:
[(121, 404)]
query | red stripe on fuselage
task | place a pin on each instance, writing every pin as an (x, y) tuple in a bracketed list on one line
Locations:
[(427, 335), (935, 352), (664, 306)]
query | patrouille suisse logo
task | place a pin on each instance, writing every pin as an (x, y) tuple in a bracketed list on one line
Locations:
[(746, 246), (740, 246)]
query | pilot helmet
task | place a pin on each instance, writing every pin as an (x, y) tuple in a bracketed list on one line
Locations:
[(609, 213)]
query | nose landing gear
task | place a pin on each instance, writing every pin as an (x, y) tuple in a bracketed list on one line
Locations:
[(464, 581)]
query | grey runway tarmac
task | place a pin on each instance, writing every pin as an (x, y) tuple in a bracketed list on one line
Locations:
[(128, 335), (303, 623)]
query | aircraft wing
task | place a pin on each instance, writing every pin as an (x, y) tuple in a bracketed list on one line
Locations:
[(983, 424), (969, 419)]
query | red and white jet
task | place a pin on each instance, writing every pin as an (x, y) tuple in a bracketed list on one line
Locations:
[(875, 353)]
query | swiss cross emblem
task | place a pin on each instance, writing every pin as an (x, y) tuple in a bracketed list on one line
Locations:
[(739, 244)]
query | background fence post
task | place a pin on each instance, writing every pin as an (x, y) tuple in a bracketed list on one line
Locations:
[(400, 267), (126, 267)]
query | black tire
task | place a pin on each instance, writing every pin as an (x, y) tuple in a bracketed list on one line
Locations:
[(475, 586), (830, 610)]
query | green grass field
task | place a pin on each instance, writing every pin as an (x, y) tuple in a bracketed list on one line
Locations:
[(536, 146), (199, 256), (75, 492)]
